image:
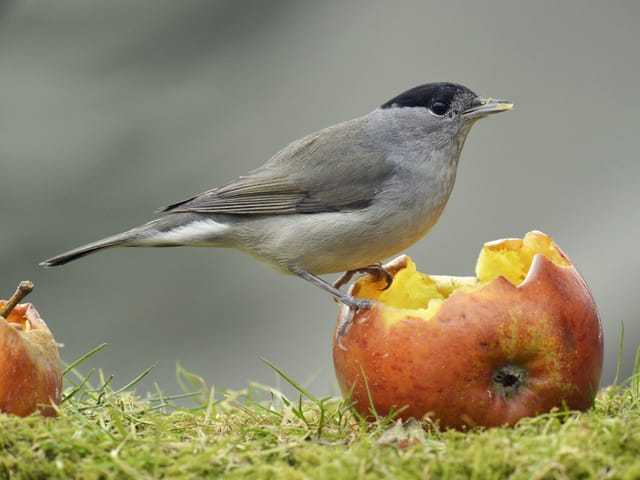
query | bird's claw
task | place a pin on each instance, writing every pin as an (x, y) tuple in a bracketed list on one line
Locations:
[(353, 306), (376, 270)]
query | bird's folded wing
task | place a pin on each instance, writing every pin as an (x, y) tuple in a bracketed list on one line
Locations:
[(320, 173)]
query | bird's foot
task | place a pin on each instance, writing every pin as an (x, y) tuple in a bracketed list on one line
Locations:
[(377, 271), (353, 305)]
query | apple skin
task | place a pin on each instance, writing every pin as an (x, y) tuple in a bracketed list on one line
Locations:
[(488, 357), (30, 367)]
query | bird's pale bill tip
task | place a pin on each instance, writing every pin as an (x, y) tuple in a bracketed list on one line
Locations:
[(499, 105), (487, 107)]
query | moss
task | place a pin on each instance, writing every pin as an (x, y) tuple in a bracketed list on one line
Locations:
[(116, 435)]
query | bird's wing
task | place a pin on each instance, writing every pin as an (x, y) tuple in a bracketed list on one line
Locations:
[(324, 172)]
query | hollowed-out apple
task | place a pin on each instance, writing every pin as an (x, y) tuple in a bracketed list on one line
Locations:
[(521, 337), (30, 368)]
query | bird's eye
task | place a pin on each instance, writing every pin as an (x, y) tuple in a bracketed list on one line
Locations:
[(439, 108)]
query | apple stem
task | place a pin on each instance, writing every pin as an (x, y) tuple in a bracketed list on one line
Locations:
[(24, 288)]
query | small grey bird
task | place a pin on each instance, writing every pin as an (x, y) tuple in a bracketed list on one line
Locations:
[(338, 200)]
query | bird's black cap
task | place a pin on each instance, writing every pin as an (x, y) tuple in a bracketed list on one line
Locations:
[(429, 93)]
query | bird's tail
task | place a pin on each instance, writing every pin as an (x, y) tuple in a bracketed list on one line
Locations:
[(79, 252), (170, 231)]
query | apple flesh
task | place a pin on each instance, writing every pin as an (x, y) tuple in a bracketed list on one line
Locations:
[(30, 368), (521, 337)]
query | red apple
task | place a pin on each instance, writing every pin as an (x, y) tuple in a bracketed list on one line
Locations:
[(30, 368), (520, 338)]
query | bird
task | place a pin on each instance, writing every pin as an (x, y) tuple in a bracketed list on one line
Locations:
[(341, 199)]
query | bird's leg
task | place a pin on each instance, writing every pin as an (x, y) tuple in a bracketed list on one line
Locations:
[(377, 271), (353, 303)]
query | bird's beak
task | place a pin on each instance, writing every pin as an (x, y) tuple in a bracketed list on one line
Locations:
[(487, 106)]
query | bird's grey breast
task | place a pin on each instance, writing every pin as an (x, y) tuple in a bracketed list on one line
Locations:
[(424, 162)]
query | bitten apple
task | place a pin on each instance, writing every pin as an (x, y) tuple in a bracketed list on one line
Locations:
[(30, 368), (520, 338)]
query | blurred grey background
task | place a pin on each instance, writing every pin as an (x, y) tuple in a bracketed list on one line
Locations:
[(109, 110)]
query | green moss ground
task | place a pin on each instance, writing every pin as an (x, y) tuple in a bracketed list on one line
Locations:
[(102, 432)]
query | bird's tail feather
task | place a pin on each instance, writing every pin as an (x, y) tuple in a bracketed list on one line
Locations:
[(79, 252), (169, 231)]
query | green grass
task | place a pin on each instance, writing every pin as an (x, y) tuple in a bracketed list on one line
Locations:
[(107, 432)]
